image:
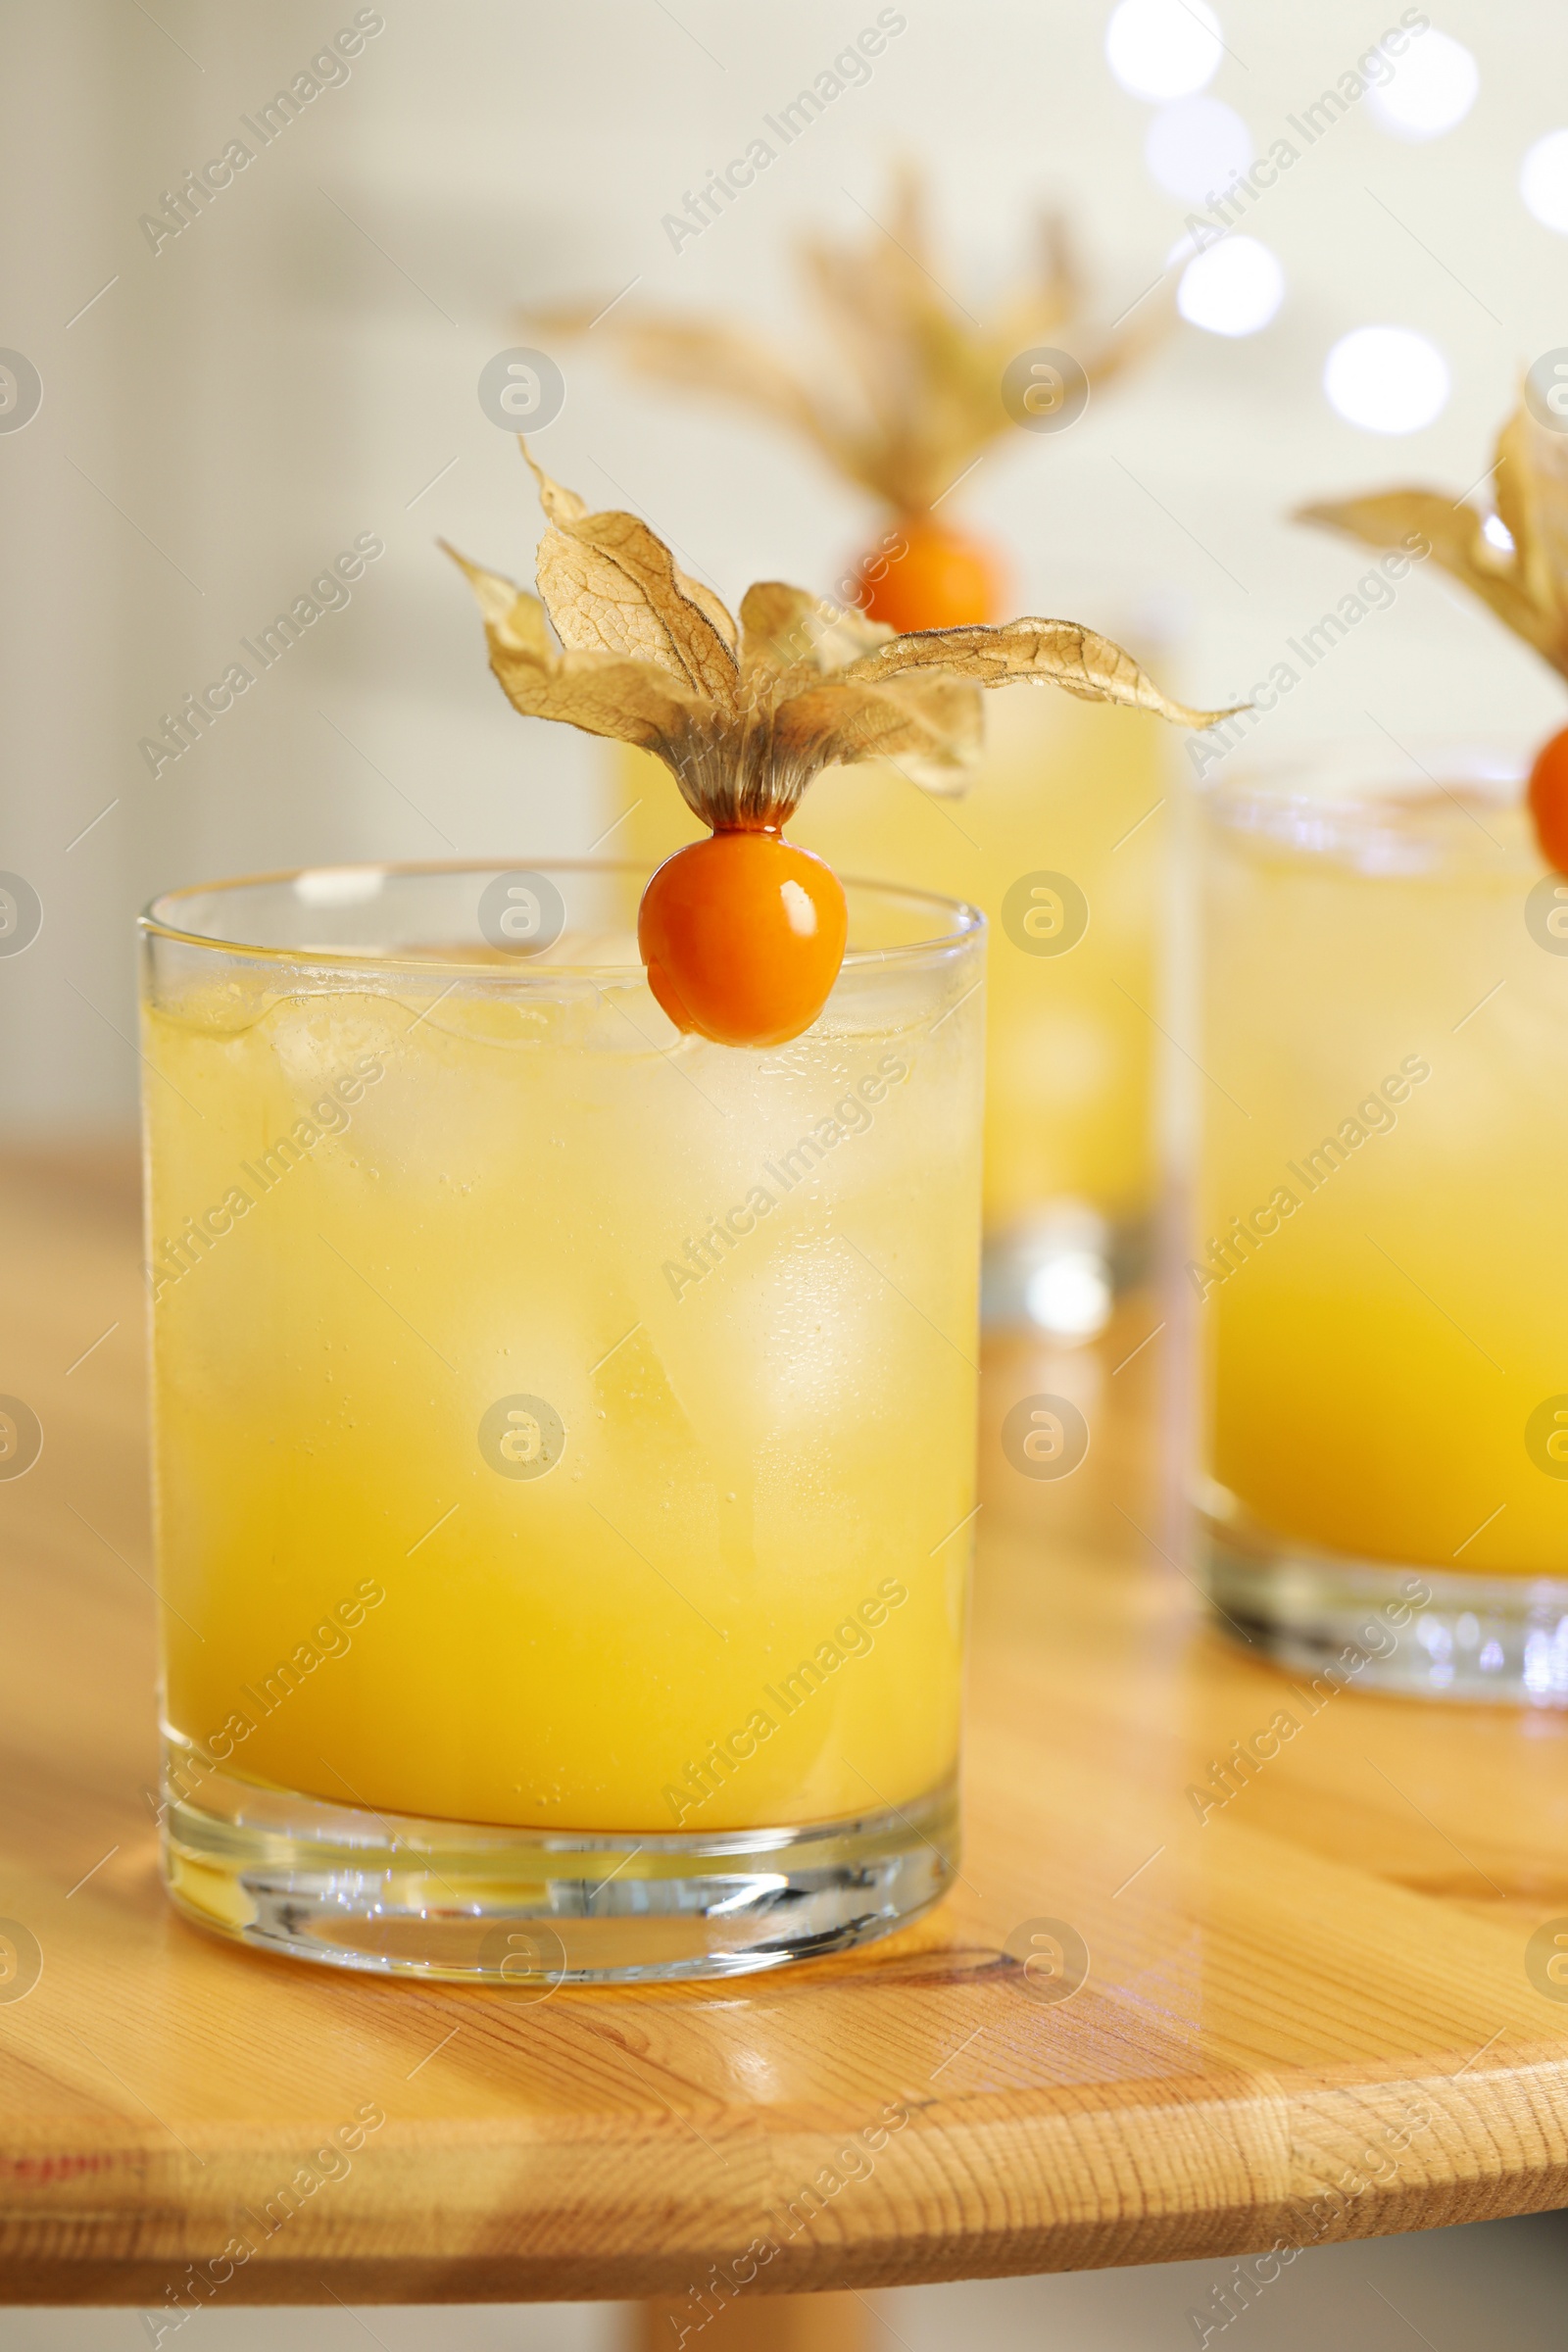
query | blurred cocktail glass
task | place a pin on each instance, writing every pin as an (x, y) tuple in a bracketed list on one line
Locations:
[(898, 389), (1378, 1264), (564, 1430)]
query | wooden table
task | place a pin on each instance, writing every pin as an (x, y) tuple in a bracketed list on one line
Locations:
[(1308, 2014)]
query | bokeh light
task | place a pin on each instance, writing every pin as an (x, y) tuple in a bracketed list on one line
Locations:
[(1387, 379), (1195, 148), (1069, 1295), (1232, 288), (1164, 49), (1434, 88), (1543, 180)]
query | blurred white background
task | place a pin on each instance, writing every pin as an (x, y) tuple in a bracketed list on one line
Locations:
[(300, 365)]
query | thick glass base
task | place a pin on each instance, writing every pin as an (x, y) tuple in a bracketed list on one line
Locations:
[(1428, 1633), (1062, 1270), (530, 1909)]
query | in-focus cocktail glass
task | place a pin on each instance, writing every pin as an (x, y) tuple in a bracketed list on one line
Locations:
[(564, 1430), (1379, 1249)]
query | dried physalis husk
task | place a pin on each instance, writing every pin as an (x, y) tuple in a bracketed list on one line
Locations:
[(1526, 584), (925, 374), (746, 714)]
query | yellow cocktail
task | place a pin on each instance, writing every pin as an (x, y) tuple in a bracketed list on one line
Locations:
[(1378, 1269), (564, 1430)]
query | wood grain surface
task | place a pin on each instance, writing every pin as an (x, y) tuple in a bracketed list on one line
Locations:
[(1307, 2015)]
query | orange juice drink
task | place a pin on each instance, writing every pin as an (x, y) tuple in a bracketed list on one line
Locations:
[(1377, 1265), (564, 1428)]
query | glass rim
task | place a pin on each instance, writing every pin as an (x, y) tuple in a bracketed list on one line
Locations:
[(1366, 771), (1378, 803), (962, 921)]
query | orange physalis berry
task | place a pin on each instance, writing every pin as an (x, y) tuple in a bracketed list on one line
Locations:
[(1549, 800), (743, 935), (926, 576)]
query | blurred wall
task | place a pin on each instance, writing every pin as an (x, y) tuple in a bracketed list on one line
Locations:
[(224, 414)]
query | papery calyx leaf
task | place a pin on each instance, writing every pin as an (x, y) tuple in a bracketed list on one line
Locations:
[(642, 659), (605, 694), (1058, 652), (612, 586), (1524, 581), (788, 630)]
